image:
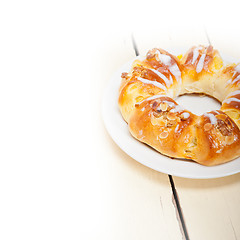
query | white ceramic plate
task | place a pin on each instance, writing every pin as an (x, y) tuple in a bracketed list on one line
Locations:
[(118, 130)]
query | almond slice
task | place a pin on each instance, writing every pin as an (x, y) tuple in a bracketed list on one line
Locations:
[(229, 139), (163, 106), (156, 114), (171, 116), (207, 126), (163, 134)]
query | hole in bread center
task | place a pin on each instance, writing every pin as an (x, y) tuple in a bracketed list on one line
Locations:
[(198, 103)]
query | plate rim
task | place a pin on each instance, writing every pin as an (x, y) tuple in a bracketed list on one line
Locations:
[(107, 123)]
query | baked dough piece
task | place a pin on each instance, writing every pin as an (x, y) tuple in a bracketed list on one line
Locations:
[(158, 73), (146, 103)]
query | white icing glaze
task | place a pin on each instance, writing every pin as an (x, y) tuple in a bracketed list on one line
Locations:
[(212, 118), (163, 77), (195, 54), (151, 98), (165, 59), (219, 150), (200, 63), (157, 84), (143, 109), (176, 129), (186, 115), (173, 67), (235, 72), (229, 81), (216, 111), (175, 71), (236, 79), (231, 100), (171, 104), (177, 108), (237, 68)]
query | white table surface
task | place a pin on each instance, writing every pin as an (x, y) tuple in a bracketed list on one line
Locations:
[(61, 175)]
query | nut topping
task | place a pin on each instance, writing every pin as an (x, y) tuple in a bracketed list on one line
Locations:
[(124, 75), (229, 139), (156, 114), (207, 126), (155, 104), (151, 53), (171, 116), (163, 134), (139, 98), (171, 123), (223, 128), (163, 106)]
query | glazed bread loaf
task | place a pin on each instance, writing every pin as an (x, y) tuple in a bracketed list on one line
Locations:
[(146, 101)]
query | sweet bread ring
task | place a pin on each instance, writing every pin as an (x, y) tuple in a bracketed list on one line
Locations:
[(146, 102)]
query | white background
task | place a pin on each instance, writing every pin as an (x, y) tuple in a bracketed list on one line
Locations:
[(55, 60)]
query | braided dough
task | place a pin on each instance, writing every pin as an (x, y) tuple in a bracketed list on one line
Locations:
[(146, 102)]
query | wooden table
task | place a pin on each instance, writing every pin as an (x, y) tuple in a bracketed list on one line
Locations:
[(61, 175), (167, 207)]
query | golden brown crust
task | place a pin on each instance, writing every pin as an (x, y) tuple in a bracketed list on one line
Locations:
[(231, 106), (221, 142), (145, 101)]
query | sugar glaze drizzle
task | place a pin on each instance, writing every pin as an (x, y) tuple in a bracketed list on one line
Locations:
[(155, 83), (167, 81), (211, 117), (173, 67)]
